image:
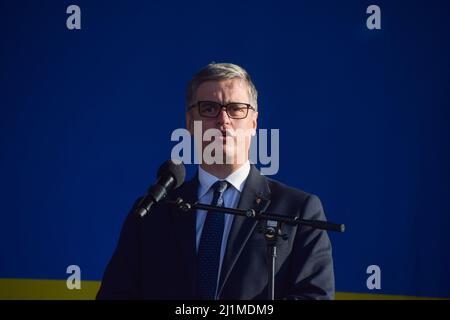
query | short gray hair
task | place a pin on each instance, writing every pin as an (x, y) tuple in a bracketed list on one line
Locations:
[(216, 72)]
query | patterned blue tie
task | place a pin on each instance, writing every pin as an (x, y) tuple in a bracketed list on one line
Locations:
[(210, 244)]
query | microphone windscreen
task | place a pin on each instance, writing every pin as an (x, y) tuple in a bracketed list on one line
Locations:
[(175, 169)]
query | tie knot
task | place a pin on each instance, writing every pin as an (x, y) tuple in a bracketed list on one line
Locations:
[(220, 186)]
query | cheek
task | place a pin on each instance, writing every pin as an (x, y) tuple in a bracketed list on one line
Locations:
[(246, 126), (190, 122), (206, 124)]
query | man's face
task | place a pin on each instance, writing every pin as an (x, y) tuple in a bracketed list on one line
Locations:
[(236, 132)]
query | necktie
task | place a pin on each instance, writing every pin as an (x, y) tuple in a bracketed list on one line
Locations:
[(210, 243)]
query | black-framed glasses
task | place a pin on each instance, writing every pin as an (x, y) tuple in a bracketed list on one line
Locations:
[(211, 109)]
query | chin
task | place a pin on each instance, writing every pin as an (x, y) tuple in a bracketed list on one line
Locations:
[(229, 158), (232, 158)]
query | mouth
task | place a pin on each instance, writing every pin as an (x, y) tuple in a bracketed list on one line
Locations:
[(226, 134)]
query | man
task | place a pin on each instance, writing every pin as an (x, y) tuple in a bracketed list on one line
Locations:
[(171, 254)]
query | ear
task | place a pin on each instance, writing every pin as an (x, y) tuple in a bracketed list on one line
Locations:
[(254, 122)]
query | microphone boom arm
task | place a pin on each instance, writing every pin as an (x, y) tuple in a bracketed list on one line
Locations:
[(251, 213)]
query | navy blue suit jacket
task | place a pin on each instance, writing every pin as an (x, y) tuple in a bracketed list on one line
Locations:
[(156, 256)]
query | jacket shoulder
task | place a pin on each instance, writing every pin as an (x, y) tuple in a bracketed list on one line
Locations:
[(283, 191), (295, 201)]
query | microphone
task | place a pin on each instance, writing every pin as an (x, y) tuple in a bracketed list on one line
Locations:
[(170, 176)]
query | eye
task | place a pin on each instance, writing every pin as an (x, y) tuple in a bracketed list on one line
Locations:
[(209, 107), (236, 108)]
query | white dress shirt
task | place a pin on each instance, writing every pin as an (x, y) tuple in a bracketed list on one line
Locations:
[(231, 198)]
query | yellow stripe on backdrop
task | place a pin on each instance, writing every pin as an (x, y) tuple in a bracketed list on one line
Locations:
[(31, 289)]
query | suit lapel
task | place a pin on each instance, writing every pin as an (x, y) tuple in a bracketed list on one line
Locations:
[(255, 195), (184, 225)]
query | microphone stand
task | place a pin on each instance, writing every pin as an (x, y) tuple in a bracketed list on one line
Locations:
[(272, 231)]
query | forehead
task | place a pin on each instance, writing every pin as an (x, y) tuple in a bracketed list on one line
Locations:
[(223, 90)]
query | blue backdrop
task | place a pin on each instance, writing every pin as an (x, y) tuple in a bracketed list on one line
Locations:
[(86, 119)]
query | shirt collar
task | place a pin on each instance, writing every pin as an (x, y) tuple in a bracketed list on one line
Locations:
[(236, 179)]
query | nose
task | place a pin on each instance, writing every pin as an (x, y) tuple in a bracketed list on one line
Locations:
[(223, 117)]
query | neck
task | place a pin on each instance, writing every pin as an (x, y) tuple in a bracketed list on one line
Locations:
[(221, 171)]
